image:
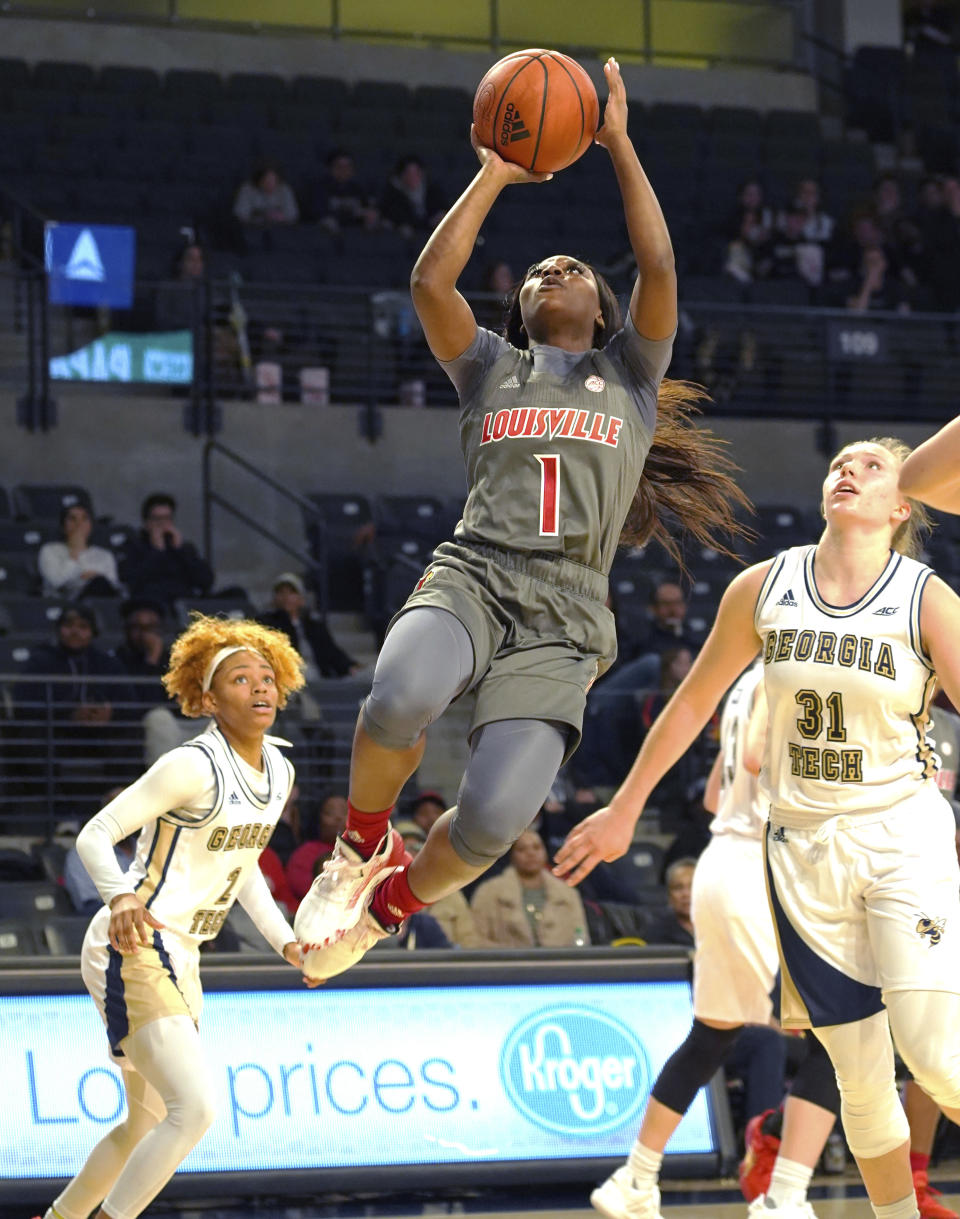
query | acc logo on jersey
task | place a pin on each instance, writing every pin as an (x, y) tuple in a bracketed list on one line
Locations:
[(575, 1070), (594, 383), (931, 928)]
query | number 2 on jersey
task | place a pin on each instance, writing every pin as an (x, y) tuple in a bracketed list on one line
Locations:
[(549, 494)]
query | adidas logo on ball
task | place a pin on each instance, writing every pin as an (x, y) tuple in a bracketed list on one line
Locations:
[(513, 127)]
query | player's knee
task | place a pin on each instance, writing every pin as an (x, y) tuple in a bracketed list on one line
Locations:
[(193, 1114), (873, 1118), (488, 821), (693, 1064), (395, 714)]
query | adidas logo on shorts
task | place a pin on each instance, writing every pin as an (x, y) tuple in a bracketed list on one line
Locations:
[(787, 599)]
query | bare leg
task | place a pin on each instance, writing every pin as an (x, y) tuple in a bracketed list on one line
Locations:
[(806, 1128), (923, 1114), (437, 869), (888, 1178), (377, 775)]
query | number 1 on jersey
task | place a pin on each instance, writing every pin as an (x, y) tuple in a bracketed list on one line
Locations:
[(549, 494)]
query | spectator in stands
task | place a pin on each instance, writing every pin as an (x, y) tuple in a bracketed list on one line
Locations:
[(286, 833), (342, 200), (878, 287), (817, 225), (792, 256), (274, 874), (331, 822), (178, 304), (76, 879), (266, 199), (748, 232), (425, 808), (144, 653), (526, 906), (674, 924), (73, 568), (666, 628), (619, 717), (81, 709), (938, 219), (410, 202), (302, 626), (452, 912), (159, 565), (500, 279)]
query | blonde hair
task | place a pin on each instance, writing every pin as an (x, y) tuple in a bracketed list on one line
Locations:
[(908, 537), (193, 650)]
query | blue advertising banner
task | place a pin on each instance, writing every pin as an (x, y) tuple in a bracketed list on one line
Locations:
[(89, 264), (472, 1075)]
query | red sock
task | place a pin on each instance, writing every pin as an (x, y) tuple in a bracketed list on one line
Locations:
[(394, 900), (919, 1162), (364, 830)]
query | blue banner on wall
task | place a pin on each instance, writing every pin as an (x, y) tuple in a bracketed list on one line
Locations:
[(90, 264)]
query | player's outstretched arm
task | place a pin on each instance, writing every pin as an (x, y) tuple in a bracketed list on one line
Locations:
[(939, 631), (932, 471), (729, 648), (653, 303), (447, 319)]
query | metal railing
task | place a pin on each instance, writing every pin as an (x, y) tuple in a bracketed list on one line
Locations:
[(313, 562), (66, 740)]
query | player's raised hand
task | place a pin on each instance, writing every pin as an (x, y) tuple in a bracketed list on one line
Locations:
[(603, 836), (615, 111), (509, 172), (129, 919)]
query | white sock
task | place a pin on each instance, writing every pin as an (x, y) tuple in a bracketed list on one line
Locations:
[(789, 1182), (906, 1208), (645, 1165)]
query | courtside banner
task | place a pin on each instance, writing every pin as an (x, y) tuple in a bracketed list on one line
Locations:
[(365, 1077), (90, 264)]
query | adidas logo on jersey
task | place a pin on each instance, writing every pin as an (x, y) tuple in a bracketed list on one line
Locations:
[(787, 599), (513, 127), (512, 382), (233, 798), (886, 610)]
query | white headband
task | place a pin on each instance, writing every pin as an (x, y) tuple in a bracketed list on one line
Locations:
[(218, 660)]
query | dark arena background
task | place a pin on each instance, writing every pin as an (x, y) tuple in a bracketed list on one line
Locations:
[(259, 367)]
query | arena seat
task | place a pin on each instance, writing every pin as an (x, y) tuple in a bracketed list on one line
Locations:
[(17, 938), (45, 501), (32, 899), (63, 936)]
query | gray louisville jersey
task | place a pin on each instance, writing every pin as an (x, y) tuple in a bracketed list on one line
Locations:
[(554, 442)]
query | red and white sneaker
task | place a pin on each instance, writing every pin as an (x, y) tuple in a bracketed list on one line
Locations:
[(336, 899), (756, 1167), (927, 1199), (323, 962)]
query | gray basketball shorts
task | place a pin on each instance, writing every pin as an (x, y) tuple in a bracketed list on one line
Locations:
[(539, 625)]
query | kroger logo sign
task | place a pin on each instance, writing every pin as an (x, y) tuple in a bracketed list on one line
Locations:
[(575, 1070)]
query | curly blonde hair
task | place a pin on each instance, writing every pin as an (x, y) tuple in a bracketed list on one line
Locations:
[(193, 650)]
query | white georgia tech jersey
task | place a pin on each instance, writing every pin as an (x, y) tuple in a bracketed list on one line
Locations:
[(740, 807), (847, 689), (192, 861)]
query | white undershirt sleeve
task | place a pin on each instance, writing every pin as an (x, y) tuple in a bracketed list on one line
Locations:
[(181, 778), (257, 900)]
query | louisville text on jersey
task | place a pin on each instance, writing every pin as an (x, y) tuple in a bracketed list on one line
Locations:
[(563, 423)]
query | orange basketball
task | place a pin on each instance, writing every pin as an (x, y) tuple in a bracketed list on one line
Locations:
[(538, 109)]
